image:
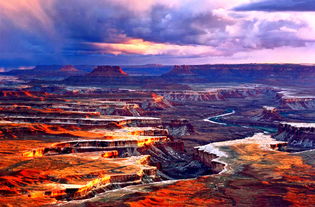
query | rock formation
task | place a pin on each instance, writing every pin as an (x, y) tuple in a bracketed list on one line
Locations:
[(108, 71), (181, 70), (179, 128), (77, 145), (46, 72), (213, 154), (278, 74), (68, 69), (299, 135), (268, 113), (298, 103), (218, 94)]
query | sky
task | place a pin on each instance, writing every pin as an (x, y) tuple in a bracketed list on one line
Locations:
[(127, 32)]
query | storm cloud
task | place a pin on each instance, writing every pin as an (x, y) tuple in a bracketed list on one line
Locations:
[(279, 5), (115, 31)]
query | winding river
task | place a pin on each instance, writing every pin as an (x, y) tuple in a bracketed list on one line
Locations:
[(217, 120)]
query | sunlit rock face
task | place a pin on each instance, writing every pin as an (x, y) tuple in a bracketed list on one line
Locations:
[(108, 71), (67, 146), (300, 135), (23, 94), (155, 102)]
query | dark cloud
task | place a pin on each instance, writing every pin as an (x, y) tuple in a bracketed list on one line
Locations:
[(163, 24), (112, 24), (61, 31), (279, 5), (181, 26)]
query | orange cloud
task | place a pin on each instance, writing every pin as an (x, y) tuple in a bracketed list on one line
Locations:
[(142, 47)]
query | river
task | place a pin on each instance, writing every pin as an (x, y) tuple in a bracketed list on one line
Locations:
[(217, 120)]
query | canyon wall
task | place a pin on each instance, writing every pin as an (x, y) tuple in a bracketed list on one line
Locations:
[(297, 134), (219, 94), (298, 103), (278, 74)]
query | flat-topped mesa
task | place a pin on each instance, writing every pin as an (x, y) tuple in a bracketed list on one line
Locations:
[(278, 74), (108, 71), (181, 70), (184, 74), (298, 103), (301, 135), (68, 68)]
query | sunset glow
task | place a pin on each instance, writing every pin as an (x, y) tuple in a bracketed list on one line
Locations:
[(181, 31)]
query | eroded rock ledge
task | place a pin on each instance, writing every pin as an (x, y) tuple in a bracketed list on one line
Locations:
[(215, 156), (300, 135), (255, 171), (142, 159)]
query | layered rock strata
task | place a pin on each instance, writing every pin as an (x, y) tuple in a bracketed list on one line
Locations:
[(219, 94), (297, 134)]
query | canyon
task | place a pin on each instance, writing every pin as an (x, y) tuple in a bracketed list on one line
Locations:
[(251, 171), (206, 135), (56, 147)]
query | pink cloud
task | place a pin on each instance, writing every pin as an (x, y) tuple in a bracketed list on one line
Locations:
[(141, 47)]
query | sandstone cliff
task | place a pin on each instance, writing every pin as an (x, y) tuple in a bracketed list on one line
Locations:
[(300, 135)]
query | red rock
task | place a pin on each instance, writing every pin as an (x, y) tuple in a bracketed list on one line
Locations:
[(108, 71), (68, 68), (269, 114)]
